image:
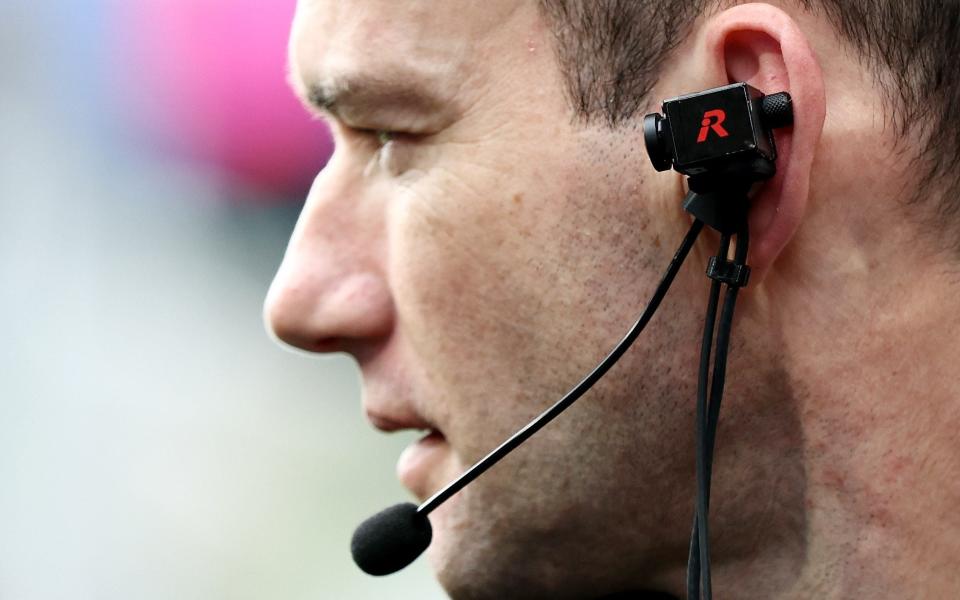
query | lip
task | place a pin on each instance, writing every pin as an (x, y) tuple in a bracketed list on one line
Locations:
[(420, 460), (389, 423)]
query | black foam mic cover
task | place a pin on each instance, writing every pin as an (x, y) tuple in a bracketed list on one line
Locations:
[(391, 539)]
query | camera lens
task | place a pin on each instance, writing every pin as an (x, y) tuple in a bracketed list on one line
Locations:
[(656, 146)]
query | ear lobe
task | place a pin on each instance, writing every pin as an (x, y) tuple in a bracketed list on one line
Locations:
[(763, 46)]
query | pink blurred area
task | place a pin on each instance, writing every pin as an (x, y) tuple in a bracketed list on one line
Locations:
[(205, 80)]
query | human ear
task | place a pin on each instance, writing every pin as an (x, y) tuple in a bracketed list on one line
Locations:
[(763, 46)]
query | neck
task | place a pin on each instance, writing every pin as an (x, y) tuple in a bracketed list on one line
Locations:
[(880, 408)]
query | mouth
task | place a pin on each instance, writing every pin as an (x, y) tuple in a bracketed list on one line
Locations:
[(420, 464), (421, 461)]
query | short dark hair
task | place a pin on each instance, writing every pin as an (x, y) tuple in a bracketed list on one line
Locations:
[(611, 51)]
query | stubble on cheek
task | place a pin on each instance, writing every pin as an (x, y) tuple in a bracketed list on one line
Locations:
[(471, 275)]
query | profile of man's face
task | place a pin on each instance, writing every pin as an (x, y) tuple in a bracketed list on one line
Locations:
[(477, 249)]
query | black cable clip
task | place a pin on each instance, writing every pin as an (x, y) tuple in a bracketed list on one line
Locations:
[(728, 272)]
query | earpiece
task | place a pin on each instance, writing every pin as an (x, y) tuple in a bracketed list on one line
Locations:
[(726, 132)]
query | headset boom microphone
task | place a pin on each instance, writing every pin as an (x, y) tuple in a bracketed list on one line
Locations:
[(395, 537)]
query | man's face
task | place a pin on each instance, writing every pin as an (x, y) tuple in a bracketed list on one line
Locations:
[(477, 262)]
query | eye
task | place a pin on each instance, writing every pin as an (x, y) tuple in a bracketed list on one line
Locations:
[(388, 147), (383, 137), (368, 136), (380, 137)]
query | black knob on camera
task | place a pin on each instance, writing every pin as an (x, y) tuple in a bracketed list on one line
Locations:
[(776, 110)]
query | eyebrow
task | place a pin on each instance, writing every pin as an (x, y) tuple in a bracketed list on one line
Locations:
[(358, 96)]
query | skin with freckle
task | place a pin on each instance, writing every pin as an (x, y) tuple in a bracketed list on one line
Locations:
[(484, 256)]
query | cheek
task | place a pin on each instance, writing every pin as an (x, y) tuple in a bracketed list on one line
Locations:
[(466, 272)]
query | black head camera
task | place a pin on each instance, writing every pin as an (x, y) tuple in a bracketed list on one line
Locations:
[(722, 140), (726, 132)]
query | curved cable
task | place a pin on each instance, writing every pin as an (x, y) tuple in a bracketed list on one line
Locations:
[(581, 388)]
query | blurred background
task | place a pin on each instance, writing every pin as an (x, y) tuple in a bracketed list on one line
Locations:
[(154, 443)]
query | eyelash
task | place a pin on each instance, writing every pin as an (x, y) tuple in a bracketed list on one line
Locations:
[(388, 145), (380, 137)]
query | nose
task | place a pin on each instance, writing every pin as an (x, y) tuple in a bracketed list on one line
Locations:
[(330, 293)]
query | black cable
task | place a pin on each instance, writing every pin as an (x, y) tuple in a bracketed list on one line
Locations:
[(581, 388), (708, 413), (723, 343), (716, 397), (693, 559)]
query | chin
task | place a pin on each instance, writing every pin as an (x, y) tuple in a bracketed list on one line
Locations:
[(472, 562), (484, 581)]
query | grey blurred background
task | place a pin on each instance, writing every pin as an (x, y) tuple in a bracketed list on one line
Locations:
[(154, 443)]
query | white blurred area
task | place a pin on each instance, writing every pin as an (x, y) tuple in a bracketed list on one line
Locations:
[(154, 443)]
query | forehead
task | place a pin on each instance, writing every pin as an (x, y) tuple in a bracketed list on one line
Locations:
[(433, 43)]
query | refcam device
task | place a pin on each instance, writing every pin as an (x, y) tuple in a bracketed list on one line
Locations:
[(726, 132), (722, 140)]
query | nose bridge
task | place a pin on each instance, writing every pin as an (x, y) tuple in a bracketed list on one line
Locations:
[(330, 291), (330, 216)]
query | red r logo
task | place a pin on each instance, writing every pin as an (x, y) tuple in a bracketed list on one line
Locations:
[(716, 125)]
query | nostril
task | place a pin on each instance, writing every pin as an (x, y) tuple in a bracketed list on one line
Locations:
[(327, 344)]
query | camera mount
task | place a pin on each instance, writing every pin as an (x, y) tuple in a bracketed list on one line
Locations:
[(722, 140)]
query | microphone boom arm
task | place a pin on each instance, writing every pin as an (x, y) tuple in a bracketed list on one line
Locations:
[(580, 389)]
